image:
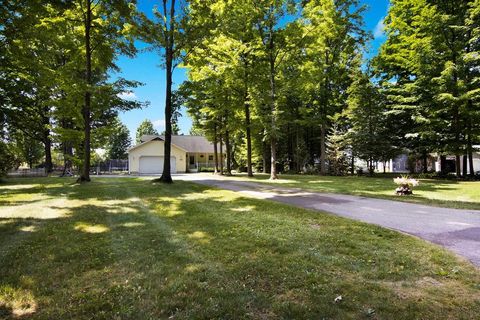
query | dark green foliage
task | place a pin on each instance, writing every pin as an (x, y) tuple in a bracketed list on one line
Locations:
[(65, 88), (369, 132), (119, 141), (336, 151), (8, 159), (145, 128), (429, 69), (27, 149)]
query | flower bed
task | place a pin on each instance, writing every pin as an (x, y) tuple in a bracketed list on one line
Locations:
[(405, 185)]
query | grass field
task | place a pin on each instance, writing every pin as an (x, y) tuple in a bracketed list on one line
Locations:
[(125, 248), (435, 192)]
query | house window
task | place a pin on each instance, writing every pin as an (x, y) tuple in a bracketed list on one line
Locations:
[(210, 157)]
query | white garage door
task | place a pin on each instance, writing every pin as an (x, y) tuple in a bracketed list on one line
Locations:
[(154, 165)]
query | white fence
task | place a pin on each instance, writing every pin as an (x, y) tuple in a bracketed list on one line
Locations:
[(39, 172)]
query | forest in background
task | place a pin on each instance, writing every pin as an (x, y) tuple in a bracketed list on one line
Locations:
[(282, 84)]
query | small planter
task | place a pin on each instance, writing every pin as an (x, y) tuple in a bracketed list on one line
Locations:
[(405, 185), (403, 190)]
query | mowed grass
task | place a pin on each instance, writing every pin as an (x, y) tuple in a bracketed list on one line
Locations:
[(125, 248), (434, 192)]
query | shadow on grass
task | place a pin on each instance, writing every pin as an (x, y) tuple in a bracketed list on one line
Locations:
[(130, 249), (92, 247)]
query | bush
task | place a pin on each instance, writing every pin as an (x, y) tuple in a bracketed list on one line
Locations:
[(7, 159), (242, 169), (310, 169), (430, 175)]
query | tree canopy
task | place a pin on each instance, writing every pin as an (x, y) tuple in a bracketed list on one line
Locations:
[(276, 85)]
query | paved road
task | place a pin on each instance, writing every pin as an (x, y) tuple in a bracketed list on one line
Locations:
[(457, 230)]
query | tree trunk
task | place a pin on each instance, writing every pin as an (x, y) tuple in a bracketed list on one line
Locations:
[(273, 159), (296, 150), (311, 146), (371, 168), (264, 162), (469, 143), (464, 164), (457, 166), (166, 174), (291, 164), (249, 138), (67, 159), (425, 163), (273, 108), (221, 154), (266, 158), (352, 164), (323, 153), (67, 150), (215, 149), (48, 154), (443, 164), (47, 142), (86, 112), (229, 155), (470, 155), (456, 109)]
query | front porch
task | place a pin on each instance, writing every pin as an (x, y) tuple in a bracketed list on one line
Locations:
[(198, 162)]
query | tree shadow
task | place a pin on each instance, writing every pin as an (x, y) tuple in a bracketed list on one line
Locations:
[(136, 250), (94, 256)]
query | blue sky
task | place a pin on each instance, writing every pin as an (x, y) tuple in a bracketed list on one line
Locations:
[(145, 68)]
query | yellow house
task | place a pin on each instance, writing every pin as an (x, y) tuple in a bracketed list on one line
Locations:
[(189, 154)]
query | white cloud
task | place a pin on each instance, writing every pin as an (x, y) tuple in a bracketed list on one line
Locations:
[(127, 95), (159, 124), (379, 30)]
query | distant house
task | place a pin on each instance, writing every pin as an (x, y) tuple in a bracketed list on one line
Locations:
[(189, 154), (401, 164), (450, 162)]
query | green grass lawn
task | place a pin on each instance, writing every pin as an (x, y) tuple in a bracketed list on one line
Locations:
[(125, 248), (436, 192)]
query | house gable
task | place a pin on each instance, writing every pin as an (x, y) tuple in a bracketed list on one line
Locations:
[(154, 138)]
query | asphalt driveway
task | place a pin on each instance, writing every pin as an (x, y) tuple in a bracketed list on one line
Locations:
[(457, 230)]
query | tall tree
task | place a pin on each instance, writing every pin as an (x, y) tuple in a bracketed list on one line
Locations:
[(119, 141), (145, 128), (173, 35), (271, 26), (333, 40), (28, 149), (26, 82), (366, 113), (102, 31), (429, 56), (8, 158), (237, 46)]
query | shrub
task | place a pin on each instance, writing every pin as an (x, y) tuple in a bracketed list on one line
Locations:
[(406, 181), (7, 159)]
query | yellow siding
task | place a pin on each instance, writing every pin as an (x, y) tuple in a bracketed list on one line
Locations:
[(155, 148)]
